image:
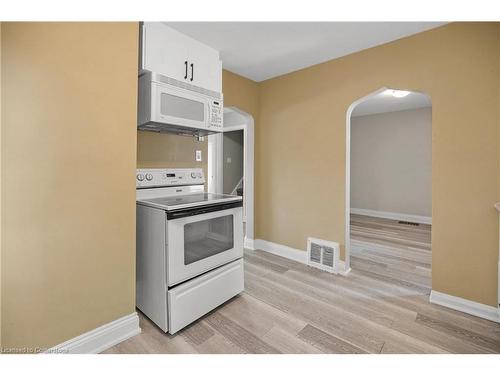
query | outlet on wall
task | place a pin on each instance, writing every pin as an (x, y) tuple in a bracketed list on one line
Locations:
[(198, 155)]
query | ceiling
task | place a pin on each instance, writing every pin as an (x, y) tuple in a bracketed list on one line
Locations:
[(263, 50), (386, 102)]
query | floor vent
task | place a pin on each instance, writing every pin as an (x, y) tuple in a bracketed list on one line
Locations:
[(408, 223), (322, 254)]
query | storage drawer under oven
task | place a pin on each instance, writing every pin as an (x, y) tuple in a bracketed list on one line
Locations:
[(194, 298)]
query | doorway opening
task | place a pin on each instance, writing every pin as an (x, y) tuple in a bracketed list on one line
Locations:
[(389, 187), (231, 164), (232, 175)]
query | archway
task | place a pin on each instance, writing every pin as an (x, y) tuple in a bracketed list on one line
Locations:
[(385, 103)]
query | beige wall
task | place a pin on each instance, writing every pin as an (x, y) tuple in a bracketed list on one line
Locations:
[(241, 92), (300, 149), (68, 178), (155, 150), (391, 162)]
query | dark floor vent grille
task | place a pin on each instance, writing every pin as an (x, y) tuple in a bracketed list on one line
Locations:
[(408, 223)]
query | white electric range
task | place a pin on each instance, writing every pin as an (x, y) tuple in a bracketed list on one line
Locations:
[(189, 247)]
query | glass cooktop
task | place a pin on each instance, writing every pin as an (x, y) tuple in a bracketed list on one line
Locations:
[(176, 202)]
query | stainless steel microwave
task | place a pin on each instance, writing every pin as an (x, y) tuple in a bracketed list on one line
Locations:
[(167, 105)]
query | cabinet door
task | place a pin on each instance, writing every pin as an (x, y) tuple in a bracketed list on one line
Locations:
[(206, 68), (164, 50)]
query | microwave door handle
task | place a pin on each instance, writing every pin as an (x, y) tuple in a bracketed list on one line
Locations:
[(186, 73), (192, 72)]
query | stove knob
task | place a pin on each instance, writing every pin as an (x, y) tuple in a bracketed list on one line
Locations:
[(199, 175), (193, 175), (140, 177), (149, 176)]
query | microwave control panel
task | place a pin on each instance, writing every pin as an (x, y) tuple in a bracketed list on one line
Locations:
[(216, 113)]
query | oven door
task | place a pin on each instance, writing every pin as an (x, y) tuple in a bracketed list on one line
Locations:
[(203, 238), (176, 106)]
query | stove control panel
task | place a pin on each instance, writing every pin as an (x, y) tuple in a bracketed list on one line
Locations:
[(148, 178)]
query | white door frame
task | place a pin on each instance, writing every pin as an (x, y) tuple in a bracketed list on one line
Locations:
[(215, 144), (239, 121)]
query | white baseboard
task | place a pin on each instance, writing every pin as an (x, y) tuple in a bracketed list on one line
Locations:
[(249, 243), (292, 253), (466, 306), (281, 250), (341, 269), (392, 215), (101, 338)]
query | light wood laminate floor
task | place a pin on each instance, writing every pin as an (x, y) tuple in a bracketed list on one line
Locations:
[(381, 306)]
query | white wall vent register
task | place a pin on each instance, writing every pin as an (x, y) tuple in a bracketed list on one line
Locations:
[(323, 254)]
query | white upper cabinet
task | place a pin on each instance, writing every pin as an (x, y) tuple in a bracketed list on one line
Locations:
[(169, 52), (205, 67)]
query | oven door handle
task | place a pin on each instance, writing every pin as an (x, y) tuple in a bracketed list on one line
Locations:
[(192, 211)]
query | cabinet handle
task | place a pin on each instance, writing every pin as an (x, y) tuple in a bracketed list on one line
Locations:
[(192, 71), (186, 74)]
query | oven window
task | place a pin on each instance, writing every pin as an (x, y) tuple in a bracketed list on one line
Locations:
[(206, 238), (176, 106)]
